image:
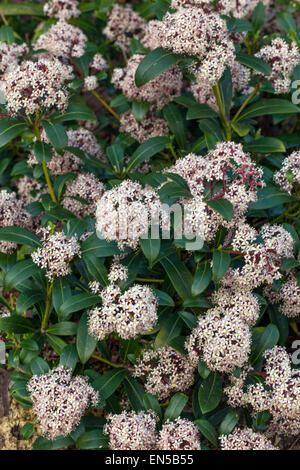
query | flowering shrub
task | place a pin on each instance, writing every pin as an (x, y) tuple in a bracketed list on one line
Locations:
[(150, 222)]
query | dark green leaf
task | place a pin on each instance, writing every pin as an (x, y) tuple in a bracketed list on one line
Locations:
[(221, 262), (155, 63), (210, 392), (222, 206), (202, 278), (86, 344), (208, 431), (175, 407)]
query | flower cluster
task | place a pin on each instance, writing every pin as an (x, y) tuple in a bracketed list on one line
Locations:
[(11, 213), (33, 86), (29, 189), (56, 253), (80, 138), (122, 25), (180, 434), (200, 34), (60, 400), (10, 54), (262, 253), (158, 91), (245, 439), (280, 393), (222, 336), (124, 212), (130, 313), (87, 187), (63, 40), (62, 9), (283, 58), (289, 173), (227, 172), (149, 126), (237, 8), (288, 296), (166, 371)]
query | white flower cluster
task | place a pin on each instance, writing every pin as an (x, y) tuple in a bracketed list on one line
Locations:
[(202, 35), (124, 212), (80, 138), (149, 126), (98, 63), (158, 91), (35, 85), (223, 336), (280, 393), (85, 186), (283, 58), (11, 213), (262, 258), (131, 431), (62, 40), (203, 91), (288, 296), (180, 434), (239, 177), (60, 400), (10, 55), (130, 313), (152, 35), (62, 9), (238, 8), (245, 439), (289, 173), (90, 83), (56, 253), (166, 371), (29, 189), (123, 24)]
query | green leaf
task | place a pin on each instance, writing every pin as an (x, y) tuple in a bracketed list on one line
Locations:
[(203, 370), (208, 431), (92, 440), (41, 443), (115, 155), (64, 328), (17, 324), (229, 422), (150, 248), (135, 393), (69, 357), (78, 302), (151, 403), (200, 111), (27, 431), (197, 301), (189, 319), (99, 247), (254, 63), (175, 122), (108, 383), (163, 298), (282, 323), (27, 299), (169, 329), (61, 292), (289, 263), (222, 206), (267, 107), (210, 392), (21, 271), (97, 269), (56, 343), (146, 150), (202, 278), (265, 145), (7, 34), (140, 109), (221, 262), (85, 343), (258, 16), (42, 151), (10, 128), (263, 338), (19, 235), (155, 63), (39, 367), (179, 275), (270, 196), (56, 133), (77, 112), (175, 407)]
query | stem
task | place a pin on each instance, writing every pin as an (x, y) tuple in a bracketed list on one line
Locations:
[(225, 121), (246, 102), (47, 309), (173, 151), (106, 105), (112, 364), (141, 279), (45, 169)]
